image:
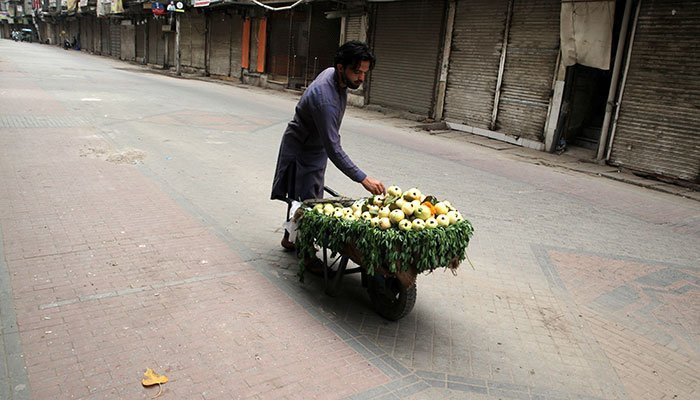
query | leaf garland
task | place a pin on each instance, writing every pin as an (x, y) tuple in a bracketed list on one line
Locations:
[(391, 249)]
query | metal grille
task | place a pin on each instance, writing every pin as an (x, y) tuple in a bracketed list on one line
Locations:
[(533, 46), (477, 40), (406, 43), (115, 38), (657, 130)]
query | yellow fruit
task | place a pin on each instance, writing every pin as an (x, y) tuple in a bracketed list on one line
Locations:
[(452, 215), (396, 216), (367, 216), (379, 200), (408, 209), (442, 220), (431, 223), (357, 213), (383, 212), (418, 225), (422, 212), (318, 208), (394, 191), (441, 208), (405, 225), (384, 223), (374, 222)]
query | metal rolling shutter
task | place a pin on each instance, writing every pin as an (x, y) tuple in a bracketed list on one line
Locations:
[(219, 59), (406, 43), (353, 27), (104, 34), (236, 46), (140, 41), (477, 40), (657, 129), (115, 38), (156, 43), (533, 46)]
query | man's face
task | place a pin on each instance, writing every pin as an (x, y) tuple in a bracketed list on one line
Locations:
[(353, 77)]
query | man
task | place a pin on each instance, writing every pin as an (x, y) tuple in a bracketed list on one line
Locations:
[(312, 136)]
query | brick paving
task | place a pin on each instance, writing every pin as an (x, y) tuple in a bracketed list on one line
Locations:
[(124, 245)]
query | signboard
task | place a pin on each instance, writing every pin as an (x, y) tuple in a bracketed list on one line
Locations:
[(201, 3)]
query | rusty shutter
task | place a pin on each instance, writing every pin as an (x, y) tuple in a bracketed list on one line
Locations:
[(406, 41), (219, 59), (115, 39), (353, 28), (477, 41), (533, 46), (658, 122)]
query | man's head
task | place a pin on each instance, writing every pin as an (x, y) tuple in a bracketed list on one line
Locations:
[(353, 61)]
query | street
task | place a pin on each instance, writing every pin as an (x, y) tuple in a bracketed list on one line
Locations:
[(137, 232)]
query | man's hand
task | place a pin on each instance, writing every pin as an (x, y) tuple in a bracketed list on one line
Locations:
[(373, 186)]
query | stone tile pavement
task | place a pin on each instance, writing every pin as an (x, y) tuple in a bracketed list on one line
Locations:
[(124, 246)]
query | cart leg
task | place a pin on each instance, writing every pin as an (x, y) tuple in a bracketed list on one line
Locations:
[(332, 282)]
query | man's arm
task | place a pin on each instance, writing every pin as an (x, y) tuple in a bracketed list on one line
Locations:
[(325, 117)]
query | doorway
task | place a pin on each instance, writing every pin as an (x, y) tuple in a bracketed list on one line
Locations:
[(585, 97)]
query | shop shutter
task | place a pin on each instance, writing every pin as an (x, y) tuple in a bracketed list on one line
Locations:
[(140, 40), (219, 59), (115, 38), (477, 42), (657, 129), (104, 34), (353, 28), (406, 41), (533, 46)]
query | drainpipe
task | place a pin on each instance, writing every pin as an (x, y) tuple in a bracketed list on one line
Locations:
[(624, 80), (604, 130), (446, 48), (501, 67)]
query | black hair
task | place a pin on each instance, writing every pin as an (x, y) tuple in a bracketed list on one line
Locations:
[(352, 53)]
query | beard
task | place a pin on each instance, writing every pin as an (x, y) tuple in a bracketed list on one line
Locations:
[(353, 85), (349, 83)]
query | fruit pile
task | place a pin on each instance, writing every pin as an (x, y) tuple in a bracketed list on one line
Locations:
[(391, 233), (406, 211)]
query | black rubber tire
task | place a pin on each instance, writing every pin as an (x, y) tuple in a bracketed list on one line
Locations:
[(390, 299)]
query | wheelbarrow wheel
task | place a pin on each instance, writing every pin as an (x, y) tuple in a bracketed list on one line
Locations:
[(390, 299)]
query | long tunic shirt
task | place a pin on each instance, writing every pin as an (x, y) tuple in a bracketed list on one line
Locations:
[(311, 138)]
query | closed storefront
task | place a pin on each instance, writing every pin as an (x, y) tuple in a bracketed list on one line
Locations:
[(531, 57), (141, 40), (356, 27), (128, 42), (225, 48), (115, 38), (156, 42), (657, 129), (477, 43), (406, 38), (104, 35), (192, 40)]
